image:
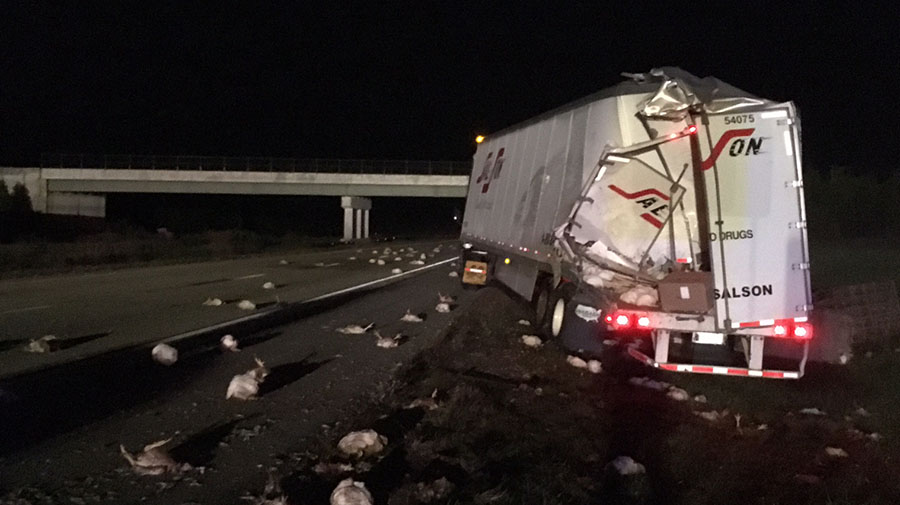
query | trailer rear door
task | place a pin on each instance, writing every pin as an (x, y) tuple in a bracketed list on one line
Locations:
[(757, 219)]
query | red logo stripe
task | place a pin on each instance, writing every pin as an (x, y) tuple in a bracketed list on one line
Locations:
[(643, 192), (652, 220), (720, 145)]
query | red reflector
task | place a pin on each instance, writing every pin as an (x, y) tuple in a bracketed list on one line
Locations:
[(668, 366), (738, 371), (643, 322), (702, 369), (692, 129), (608, 318), (780, 330), (683, 260)]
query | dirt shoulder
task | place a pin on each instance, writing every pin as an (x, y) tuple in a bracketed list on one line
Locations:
[(515, 424)]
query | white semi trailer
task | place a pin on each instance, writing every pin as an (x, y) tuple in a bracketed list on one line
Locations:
[(667, 206)]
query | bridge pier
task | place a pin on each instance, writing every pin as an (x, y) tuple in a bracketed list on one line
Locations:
[(356, 217)]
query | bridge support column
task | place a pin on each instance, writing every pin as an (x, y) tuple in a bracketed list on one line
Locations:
[(356, 224)]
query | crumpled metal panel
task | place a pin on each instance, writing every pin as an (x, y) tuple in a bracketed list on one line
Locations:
[(680, 93)]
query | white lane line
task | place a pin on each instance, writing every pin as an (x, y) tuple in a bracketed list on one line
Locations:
[(376, 281), (25, 309), (251, 317), (251, 276)]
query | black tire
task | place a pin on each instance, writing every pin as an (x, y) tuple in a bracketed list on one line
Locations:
[(573, 332), (540, 301)]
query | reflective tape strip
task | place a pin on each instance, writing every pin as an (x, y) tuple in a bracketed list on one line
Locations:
[(475, 270), (716, 370), (801, 319)]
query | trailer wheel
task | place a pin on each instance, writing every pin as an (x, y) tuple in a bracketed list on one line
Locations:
[(557, 311), (541, 302)]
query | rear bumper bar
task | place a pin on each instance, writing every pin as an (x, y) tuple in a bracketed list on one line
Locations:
[(716, 370)]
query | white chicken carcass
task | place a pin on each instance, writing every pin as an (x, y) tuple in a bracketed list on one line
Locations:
[(446, 298), (351, 492), (283, 262), (409, 317), (372, 260), (398, 258), (380, 262), (524, 322), (246, 385), (422, 256), (576, 362), (351, 258), (594, 366), (396, 271), (246, 305), (229, 343), (45, 344), (532, 340), (213, 302), (269, 285), (362, 443), (416, 262), (153, 460), (623, 465), (443, 308), (436, 250), (387, 342), (678, 394), (453, 274), (164, 354), (354, 329)]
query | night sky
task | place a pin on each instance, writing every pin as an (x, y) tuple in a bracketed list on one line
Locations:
[(414, 80)]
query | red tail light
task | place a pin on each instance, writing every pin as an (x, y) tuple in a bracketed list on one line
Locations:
[(621, 321), (780, 330), (803, 331)]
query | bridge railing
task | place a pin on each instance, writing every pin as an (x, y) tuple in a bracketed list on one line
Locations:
[(255, 164)]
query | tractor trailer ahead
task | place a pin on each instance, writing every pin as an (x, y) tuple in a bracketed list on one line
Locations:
[(667, 206)]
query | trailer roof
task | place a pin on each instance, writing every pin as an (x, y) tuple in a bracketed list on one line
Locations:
[(706, 89)]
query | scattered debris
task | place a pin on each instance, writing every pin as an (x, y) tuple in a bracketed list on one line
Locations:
[(246, 385), (443, 308), (332, 469), (762, 427), (355, 329), (446, 299), (387, 342), (640, 295), (806, 478), (410, 317), (812, 411), (845, 357), (380, 262), (453, 274), (436, 250), (396, 271), (283, 262), (320, 264), (229, 343), (836, 452), (398, 258), (350, 492), (624, 465), (532, 340), (213, 302), (371, 260), (416, 262), (524, 322), (351, 258), (649, 383), (164, 354), (246, 305), (429, 403), (862, 412), (153, 460), (576, 362), (712, 415), (700, 398), (594, 366), (422, 256), (362, 443), (875, 437), (610, 342), (47, 343), (737, 422), (678, 394), (269, 285)]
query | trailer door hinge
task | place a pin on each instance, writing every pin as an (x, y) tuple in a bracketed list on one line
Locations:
[(799, 225), (793, 184), (800, 266)]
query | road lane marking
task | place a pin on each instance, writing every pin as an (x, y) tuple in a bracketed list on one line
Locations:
[(25, 309), (251, 276), (252, 317)]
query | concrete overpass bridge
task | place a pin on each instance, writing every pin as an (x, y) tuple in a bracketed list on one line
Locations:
[(78, 184)]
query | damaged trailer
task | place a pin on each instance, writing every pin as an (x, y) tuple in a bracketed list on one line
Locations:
[(667, 206)]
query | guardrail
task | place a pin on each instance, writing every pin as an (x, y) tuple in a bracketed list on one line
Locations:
[(256, 164)]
